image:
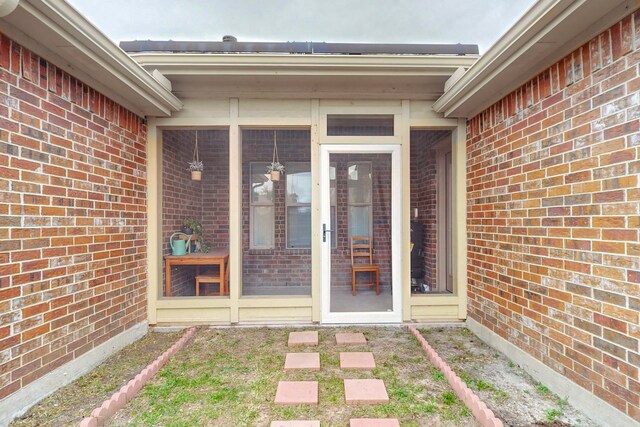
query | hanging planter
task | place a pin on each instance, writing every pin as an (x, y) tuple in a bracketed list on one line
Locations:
[(196, 166), (275, 168)]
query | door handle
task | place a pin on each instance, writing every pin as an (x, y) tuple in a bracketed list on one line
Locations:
[(324, 232)]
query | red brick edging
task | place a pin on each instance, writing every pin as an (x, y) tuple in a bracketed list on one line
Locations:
[(120, 398), (483, 414)]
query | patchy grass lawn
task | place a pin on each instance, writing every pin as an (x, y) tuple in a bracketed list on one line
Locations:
[(512, 394), (70, 404), (229, 376)]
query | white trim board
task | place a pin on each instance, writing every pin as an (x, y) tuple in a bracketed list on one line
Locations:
[(595, 408), (19, 402)]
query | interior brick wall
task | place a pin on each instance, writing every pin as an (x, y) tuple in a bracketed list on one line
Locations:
[(423, 182), (279, 266), (72, 218), (206, 201), (381, 216), (553, 216)]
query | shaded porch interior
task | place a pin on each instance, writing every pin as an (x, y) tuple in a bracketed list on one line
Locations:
[(205, 201), (276, 215), (431, 212)]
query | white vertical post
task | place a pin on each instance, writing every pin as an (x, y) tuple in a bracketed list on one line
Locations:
[(316, 222), (459, 205), (154, 226), (235, 210), (405, 236)]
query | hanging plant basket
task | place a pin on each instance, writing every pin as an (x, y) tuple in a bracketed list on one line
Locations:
[(196, 165), (275, 168)]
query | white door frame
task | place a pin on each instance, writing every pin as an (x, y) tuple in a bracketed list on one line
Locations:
[(394, 316)]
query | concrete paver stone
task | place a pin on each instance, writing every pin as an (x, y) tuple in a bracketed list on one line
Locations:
[(357, 360), (297, 393), (303, 338), (308, 361), (368, 391), (348, 338)]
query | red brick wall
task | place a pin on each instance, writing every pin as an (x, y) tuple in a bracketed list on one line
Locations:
[(423, 178), (72, 218), (207, 201), (278, 266), (553, 216), (381, 215)]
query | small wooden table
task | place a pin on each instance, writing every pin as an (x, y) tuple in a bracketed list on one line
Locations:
[(215, 257)]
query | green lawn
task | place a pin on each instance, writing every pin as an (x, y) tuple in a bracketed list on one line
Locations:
[(228, 377)]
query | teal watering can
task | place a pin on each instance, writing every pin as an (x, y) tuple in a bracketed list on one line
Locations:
[(179, 246)]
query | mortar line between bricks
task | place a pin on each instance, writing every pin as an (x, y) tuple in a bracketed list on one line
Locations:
[(119, 399), (480, 410)]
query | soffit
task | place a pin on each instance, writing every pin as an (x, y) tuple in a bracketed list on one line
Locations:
[(57, 32), (297, 76), (548, 31)]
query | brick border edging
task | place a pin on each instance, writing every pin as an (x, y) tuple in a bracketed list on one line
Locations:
[(120, 398), (479, 409)]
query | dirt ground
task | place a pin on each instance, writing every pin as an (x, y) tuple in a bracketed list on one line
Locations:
[(228, 377), (70, 404), (511, 393)]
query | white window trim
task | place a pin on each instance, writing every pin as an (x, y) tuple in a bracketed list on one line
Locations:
[(253, 204), (289, 204), (370, 204)]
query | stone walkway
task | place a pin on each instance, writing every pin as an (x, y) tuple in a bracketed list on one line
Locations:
[(357, 391)]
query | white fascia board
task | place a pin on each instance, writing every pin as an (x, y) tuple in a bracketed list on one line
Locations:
[(60, 34), (546, 33), (312, 65)]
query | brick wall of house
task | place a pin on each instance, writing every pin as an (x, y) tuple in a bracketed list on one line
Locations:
[(292, 267), (72, 218), (206, 201), (381, 216), (279, 266), (553, 216), (423, 181)]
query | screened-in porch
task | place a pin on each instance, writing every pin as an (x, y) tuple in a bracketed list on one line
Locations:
[(276, 214), (325, 239)]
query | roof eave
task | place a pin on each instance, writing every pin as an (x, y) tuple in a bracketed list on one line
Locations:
[(304, 48), (547, 32), (60, 34), (269, 64)]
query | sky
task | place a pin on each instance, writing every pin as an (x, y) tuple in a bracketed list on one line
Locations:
[(479, 22)]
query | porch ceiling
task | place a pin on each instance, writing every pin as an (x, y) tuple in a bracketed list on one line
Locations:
[(302, 76)]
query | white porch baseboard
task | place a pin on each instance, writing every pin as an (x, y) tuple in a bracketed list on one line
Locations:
[(594, 407), (19, 402)]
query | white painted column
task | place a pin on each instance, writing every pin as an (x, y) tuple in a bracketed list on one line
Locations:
[(235, 210), (459, 205), (405, 140), (316, 267), (154, 223)]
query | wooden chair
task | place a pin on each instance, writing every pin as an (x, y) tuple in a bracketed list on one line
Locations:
[(362, 262), (212, 277)]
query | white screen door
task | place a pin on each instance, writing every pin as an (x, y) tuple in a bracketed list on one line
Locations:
[(360, 199)]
